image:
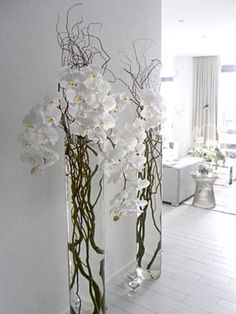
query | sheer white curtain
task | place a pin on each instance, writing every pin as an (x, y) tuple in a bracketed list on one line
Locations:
[(206, 72)]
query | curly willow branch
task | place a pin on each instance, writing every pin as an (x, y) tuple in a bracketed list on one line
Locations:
[(79, 46), (152, 173)]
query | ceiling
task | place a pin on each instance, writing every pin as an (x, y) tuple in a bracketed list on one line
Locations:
[(199, 28)]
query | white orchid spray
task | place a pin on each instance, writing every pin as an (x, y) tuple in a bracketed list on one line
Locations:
[(89, 108), (151, 108), (40, 135), (128, 157), (125, 160)]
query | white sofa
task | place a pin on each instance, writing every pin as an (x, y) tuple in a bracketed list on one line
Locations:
[(178, 184)]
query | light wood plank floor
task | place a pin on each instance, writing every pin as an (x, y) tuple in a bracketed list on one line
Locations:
[(198, 267)]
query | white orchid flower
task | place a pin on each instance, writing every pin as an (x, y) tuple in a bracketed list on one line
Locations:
[(33, 157), (49, 102), (97, 85), (115, 171), (124, 203), (71, 93), (140, 135), (91, 71), (117, 154), (77, 129), (139, 124), (123, 100), (149, 112), (131, 207), (98, 135), (81, 125), (75, 94), (149, 96), (73, 110), (136, 161), (120, 197), (92, 83), (33, 119), (142, 183), (51, 115), (49, 157), (47, 134), (140, 148), (153, 123), (40, 159), (70, 78), (107, 102), (28, 139), (131, 210), (107, 121), (131, 142), (140, 204)]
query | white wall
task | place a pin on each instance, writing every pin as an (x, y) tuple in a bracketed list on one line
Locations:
[(182, 103), (33, 262)]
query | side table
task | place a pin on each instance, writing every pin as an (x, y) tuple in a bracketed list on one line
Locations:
[(204, 196)]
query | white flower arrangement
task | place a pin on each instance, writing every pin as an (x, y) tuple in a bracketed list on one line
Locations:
[(88, 113), (91, 106), (127, 159), (90, 109), (93, 112)]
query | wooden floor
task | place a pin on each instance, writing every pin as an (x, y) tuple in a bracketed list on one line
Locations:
[(198, 267)]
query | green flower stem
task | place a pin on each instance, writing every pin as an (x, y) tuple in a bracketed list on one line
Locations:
[(80, 178)]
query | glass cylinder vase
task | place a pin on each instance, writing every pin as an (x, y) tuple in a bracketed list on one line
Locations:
[(84, 186), (149, 222)]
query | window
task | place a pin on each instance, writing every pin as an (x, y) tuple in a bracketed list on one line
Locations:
[(227, 108)]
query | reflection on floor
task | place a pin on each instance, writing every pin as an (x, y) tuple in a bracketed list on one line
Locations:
[(198, 267)]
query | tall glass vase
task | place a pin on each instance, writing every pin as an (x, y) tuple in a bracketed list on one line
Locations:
[(149, 223), (84, 181)]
